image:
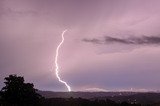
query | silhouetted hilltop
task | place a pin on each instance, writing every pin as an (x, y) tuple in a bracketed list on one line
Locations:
[(142, 98), (119, 97), (87, 95)]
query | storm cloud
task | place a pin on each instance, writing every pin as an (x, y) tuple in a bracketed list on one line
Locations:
[(143, 40), (30, 32)]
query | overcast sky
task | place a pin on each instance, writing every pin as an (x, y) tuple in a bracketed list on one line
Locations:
[(109, 45)]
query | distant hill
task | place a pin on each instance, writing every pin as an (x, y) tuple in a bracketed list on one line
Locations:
[(142, 98), (86, 95), (130, 97)]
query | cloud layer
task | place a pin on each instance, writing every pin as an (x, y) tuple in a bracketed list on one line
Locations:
[(143, 40)]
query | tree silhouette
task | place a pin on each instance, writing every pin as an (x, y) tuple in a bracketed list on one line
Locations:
[(18, 93)]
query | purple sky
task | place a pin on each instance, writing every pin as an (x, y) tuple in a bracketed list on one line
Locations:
[(109, 45)]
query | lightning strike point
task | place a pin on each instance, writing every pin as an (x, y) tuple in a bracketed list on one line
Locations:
[(56, 62)]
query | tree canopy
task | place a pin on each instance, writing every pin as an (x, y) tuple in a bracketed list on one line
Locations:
[(17, 92)]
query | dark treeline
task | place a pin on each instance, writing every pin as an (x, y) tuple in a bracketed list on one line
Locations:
[(18, 93)]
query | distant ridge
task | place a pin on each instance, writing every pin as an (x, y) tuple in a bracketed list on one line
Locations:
[(87, 95), (131, 97)]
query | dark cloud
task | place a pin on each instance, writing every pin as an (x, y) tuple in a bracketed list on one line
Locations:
[(96, 41), (130, 40)]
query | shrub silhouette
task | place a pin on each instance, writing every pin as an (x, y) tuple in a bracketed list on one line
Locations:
[(18, 93)]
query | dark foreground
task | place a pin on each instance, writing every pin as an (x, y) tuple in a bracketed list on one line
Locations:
[(18, 93), (93, 99), (84, 102), (100, 98)]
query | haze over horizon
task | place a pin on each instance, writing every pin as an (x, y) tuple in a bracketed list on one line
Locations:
[(109, 45)]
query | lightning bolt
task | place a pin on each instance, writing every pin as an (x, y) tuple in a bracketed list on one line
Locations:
[(56, 62)]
